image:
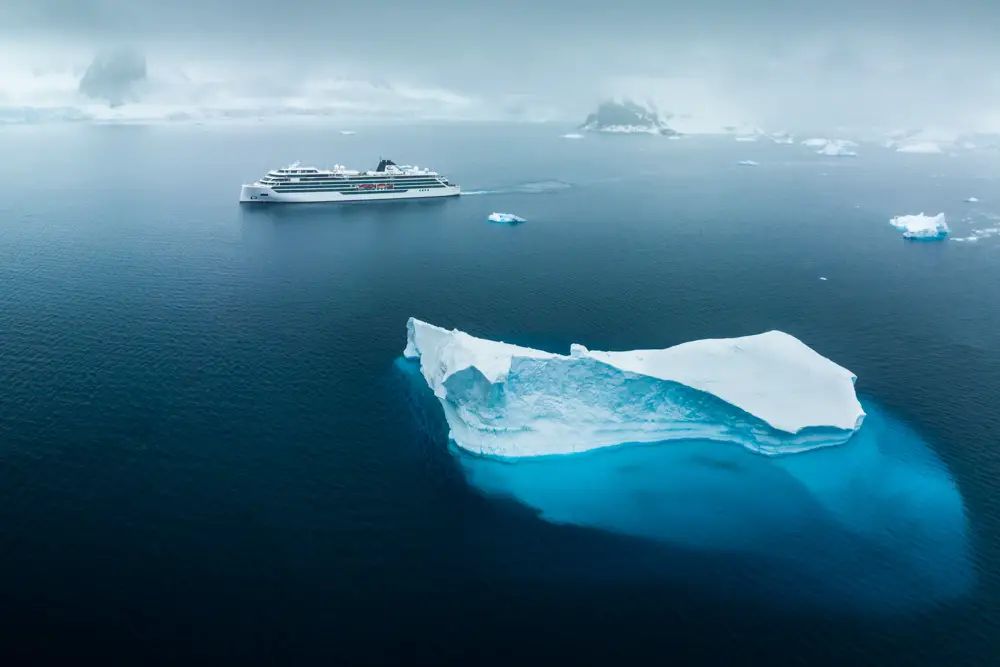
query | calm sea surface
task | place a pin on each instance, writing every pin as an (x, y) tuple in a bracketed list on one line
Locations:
[(208, 448)]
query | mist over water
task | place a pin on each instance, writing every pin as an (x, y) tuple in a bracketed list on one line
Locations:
[(781, 65)]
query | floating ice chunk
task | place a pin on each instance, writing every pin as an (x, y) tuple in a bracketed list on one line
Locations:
[(925, 147), (815, 143), (505, 217), (769, 392), (921, 227), (748, 163), (572, 135), (348, 132), (971, 200), (822, 278), (838, 148), (978, 234)]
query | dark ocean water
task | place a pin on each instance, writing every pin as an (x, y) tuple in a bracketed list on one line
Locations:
[(208, 448)]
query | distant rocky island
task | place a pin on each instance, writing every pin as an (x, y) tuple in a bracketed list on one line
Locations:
[(627, 117), (113, 76)]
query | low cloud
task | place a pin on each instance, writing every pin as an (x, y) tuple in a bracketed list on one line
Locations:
[(776, 63)]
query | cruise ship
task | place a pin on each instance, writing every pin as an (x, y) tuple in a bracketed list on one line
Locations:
[(308, 184)]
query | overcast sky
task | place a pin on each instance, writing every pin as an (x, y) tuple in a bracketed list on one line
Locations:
[(776, 62)]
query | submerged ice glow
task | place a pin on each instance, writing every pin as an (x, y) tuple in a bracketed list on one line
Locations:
[(876, 522)]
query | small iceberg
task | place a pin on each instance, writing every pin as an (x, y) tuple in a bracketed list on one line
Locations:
[(572, 135), (978, 234), (815, 143), (747, 163), (838, 148), (347, 132), (508, 218), (923, 147), (971, 200), (921, 227)]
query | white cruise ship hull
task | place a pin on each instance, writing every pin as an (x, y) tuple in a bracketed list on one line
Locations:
[(259, 194)]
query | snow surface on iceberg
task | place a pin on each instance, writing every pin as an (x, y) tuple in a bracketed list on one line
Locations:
[(921, 227), (770, 393)]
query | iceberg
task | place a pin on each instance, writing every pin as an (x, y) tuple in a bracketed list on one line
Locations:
[(748, 133), (877, 523), (815, 143), (748, 163), (572, 135), (923, 147), (838, 148), (971, 200), (769, 392), (508, 218), (921, 227)]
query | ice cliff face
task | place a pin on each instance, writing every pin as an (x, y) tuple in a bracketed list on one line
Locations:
[(626, 117), (770, 393)]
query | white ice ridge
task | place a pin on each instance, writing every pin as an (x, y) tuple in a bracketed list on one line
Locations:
[(770, 393), (748, 163), (921, 227)]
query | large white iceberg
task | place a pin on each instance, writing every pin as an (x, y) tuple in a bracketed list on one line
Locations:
[(770, 393), (921, 227)]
